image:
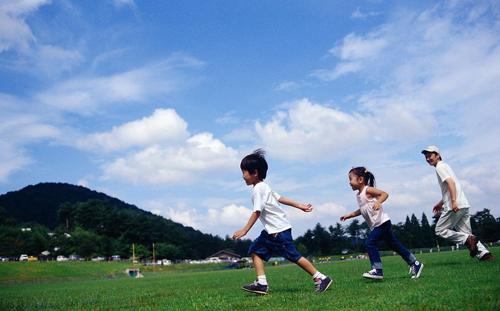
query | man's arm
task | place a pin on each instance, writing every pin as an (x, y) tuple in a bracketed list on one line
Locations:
[(305, 207), (251, 221), (452, 188)]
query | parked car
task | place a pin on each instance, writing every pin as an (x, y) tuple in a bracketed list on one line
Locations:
[(23, 257), (98, 258), (75, 257), (116, 258), (2, 259), (61, 258), (32, 258)]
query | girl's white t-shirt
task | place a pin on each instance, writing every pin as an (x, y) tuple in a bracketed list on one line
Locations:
[(272, 216), (443, 172), (373, 217)]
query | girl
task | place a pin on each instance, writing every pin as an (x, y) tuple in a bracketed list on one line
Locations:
[(370, 201)]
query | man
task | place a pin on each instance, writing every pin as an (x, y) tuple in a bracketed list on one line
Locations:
[(454, 222)]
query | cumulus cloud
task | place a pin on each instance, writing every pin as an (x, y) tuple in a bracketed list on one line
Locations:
[(163, 126), (231, 215)]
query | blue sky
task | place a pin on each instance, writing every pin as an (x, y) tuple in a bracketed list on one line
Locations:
[(155, 103)]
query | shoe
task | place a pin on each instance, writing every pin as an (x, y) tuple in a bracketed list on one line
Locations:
[(373, 274), (487, 257), (256, 288), (322, 285), (471, 244), (416, 269)]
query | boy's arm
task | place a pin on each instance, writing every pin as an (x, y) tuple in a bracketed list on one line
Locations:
[(305, 207), (351, 215), (379, 194), (251, 221)]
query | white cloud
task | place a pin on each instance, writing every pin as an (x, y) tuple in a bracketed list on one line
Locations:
[(164, 126), (231, 215), (14, 32), (358, 14), (86, 95), (200, 154), (287, 86), (18, 129)]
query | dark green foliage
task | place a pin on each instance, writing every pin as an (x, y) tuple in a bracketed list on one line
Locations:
[(98, 225)]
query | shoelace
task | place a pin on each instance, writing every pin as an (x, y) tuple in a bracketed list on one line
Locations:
[(317, 284)]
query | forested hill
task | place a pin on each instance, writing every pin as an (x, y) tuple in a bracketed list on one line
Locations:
[(98, 223), (40, 203)]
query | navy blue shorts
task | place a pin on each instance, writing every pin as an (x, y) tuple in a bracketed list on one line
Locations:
[(280, 243)]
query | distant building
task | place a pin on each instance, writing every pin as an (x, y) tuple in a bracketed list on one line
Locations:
[(225, 255)]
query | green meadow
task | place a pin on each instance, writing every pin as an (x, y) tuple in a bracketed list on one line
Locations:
[(450, 281)]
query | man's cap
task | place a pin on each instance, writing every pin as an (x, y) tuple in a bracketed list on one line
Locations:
[(431, 148)]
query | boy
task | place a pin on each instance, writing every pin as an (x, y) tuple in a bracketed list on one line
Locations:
[(277, 233), (454, 221)]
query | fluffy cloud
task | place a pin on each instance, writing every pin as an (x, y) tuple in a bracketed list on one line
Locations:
[(164, 126), (158, 149)]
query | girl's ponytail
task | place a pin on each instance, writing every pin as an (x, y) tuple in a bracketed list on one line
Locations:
[(361, 171)]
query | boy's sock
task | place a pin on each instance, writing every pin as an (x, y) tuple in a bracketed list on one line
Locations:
[(261, 279), (319, 275)]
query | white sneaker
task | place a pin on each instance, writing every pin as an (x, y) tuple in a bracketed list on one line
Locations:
[(373, 274)]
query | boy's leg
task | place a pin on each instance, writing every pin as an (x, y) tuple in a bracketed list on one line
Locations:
[(258, 264), (306, 265)]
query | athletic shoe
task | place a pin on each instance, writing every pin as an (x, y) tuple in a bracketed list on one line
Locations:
[(373, 274), (471, 244), (322, 285), (256, 288), (416, 269), (487, 257)]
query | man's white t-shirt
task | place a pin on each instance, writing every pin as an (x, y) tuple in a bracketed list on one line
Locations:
[(266, 202), (443, 172)]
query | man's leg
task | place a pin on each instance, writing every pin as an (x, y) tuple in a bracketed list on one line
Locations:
[(463, 225), (447, 222)]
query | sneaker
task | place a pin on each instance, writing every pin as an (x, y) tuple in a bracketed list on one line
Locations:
[(487, 257), (471, 244), (256, 288), (322, 285), (373, 274), (416, 269)]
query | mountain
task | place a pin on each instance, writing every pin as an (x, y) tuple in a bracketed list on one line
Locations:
[(40, 203), (100, 223)]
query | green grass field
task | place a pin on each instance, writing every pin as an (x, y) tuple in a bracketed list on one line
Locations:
[(450, 281)]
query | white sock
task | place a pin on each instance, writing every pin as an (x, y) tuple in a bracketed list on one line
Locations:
[(319, 275), (261, 279)]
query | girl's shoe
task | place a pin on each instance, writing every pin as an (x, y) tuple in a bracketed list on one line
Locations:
[(416, 269), (374, 274)]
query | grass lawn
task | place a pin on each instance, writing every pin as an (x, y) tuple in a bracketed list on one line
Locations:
[(450, 281)]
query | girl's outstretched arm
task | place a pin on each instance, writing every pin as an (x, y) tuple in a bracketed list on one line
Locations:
[(356, 213), (305, 207), (380, 195)]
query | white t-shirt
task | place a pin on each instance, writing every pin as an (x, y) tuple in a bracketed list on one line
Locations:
[(373, 218), (266, 202), (443, 172)]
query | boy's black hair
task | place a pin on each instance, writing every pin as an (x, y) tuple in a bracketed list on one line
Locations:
[(361, 171), (255, 161)]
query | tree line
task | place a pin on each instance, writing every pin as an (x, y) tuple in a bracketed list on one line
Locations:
[(100, 228), (413, 233)]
